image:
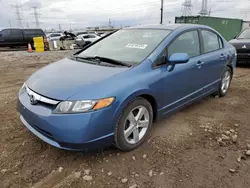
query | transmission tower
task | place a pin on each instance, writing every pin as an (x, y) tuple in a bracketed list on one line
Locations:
[(187, 8), (204, 11), (36, 17), (18, 15)]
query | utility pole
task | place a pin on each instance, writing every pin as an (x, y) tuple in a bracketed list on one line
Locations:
[(109, 23), (36, 17), (18, 15), (10, 23), (187, 10), (60, 27), (161, 11), (27, 25), (204, 11)]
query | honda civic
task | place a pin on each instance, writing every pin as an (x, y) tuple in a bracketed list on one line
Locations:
[(112, 91)]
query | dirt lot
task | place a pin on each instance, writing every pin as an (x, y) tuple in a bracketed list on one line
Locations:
[(187, 150)]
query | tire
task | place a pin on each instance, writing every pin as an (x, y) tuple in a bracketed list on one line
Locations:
[(141, 125), (222, 91)]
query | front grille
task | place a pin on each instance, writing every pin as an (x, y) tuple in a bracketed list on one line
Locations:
[(243, 50), (243, 56), (40, 98)]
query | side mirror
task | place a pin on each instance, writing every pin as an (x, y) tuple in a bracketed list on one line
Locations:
[(178, 58), (234, 37)]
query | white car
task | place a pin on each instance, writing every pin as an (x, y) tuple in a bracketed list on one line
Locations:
[(89, 38), (54, 36)]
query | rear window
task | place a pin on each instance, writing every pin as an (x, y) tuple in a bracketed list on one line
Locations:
[(33, 32), (55, 35)]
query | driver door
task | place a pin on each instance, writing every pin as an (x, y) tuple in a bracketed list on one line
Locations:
[(182, 83)]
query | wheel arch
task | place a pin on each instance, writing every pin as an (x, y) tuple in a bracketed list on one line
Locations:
[(146, 94)]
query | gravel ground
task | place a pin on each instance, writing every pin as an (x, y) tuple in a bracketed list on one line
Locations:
[(202, 146)]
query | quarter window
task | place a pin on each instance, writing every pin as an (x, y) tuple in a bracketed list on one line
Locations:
[(211, 41), (186, 43)]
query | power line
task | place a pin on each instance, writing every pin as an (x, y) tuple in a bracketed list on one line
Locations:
[(115, 12), (18, 15)]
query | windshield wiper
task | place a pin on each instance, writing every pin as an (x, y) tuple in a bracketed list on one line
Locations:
[(105, 59)]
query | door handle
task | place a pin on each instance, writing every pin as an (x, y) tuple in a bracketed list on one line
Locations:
[(199, 64), (222, 56)]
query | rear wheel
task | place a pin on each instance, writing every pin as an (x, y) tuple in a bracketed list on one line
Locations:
[(225, 83), (133, 125)]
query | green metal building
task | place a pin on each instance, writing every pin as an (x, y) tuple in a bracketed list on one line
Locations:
[(227, 27)]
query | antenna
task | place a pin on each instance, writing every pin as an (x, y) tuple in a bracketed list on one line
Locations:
[(18, 14), (187, 10), (36, 16), (204, 11)]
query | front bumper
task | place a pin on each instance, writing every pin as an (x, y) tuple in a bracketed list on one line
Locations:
[(82, 131)]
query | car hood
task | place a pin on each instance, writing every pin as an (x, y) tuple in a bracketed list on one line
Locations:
[(66, 77), (238, 43)]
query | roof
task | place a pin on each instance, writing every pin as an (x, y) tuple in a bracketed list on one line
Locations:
[(166, 26)]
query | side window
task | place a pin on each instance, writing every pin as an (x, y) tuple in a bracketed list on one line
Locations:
[(186, 43), (211, 41), (5, 33), (16, 33)]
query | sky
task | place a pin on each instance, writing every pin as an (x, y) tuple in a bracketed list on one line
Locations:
[(75, 14)]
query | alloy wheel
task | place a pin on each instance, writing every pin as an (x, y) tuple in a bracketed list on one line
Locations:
[(136, 124), (225, 82)]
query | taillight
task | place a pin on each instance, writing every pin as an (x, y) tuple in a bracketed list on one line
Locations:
[(45, 40)]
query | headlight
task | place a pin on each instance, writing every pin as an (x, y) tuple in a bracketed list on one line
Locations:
[(83, 106), (23, 89)]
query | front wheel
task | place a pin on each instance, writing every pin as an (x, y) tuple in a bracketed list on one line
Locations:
[(133, 125)]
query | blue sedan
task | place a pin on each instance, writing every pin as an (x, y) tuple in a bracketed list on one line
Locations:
[(112, 91)]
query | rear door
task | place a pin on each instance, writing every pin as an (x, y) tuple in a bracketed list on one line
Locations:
[(16, 37), (213, 60)]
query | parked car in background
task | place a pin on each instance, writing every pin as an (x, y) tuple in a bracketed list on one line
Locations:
[(111, 91), (242, 45), (77, 33), (54, 36), (89, 38), (19, 37)]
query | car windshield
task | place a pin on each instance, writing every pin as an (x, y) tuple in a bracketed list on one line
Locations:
[(245, 34), (128, 45)]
